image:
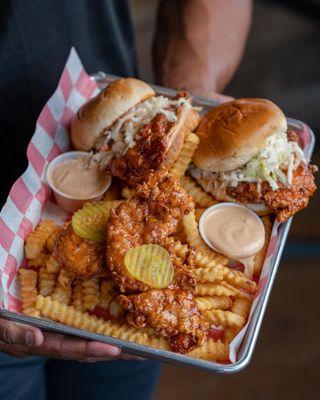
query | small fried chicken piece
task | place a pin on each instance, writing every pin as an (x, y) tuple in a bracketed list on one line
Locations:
[(84, 258), (172, 313), (285, 201), (150, 217)]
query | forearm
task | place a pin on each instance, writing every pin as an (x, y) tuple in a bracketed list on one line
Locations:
[(199, 43)]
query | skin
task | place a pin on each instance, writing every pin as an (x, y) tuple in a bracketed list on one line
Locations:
[(198, 46)]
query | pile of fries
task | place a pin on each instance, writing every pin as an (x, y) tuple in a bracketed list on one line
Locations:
[(224, 295)]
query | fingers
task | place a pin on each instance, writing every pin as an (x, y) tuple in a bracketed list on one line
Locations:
[(15, 333), (68, 348), (102, 349), (20, 340)]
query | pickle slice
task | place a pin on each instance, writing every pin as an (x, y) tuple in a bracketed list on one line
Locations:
[(150, 264), (90, 221)]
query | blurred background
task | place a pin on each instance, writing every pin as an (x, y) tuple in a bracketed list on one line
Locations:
[(281, 63)]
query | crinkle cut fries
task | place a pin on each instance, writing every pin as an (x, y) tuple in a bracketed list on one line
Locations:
[(223, 295)]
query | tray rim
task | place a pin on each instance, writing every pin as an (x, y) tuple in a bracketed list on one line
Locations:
[(249, 340)]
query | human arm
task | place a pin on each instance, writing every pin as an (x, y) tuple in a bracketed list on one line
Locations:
[(198, 44)]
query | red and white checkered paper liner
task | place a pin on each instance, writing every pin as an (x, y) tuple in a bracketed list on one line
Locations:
[(30, 200)]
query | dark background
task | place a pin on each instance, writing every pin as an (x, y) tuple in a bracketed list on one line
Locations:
[(282, 63)]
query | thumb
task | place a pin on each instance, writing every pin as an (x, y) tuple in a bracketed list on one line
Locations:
[(15, 333)]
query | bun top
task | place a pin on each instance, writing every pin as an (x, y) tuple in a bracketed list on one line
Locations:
[(232, 133), (97, 115)]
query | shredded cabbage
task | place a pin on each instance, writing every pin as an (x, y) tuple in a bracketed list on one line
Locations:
[(124, 133), (274, 164)]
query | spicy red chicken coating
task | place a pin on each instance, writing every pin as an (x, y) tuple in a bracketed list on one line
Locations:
[(285, 201), (151, 216), (82, 257), (146, 156), (172, 313)]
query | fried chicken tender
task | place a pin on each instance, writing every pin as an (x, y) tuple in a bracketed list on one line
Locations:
[(285, 201), (152, 215), (82, 257), (146, 156), (172, 313)]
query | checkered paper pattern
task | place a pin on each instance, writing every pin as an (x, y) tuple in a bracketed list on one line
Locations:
[(30, 199)]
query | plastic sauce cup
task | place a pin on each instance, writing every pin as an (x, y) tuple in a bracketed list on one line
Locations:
[(209, 210), (66, 202)]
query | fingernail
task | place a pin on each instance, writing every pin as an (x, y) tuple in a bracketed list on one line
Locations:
[(29, 338)]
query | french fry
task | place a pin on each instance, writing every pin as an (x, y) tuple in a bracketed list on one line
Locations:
[(90, 292), (203, 261), (239, 280), (182, 163), (47, 281), (206, 303), (77, 296), (198, 212), (238, 293), (225, 318), (260, 257), (62, 294), (28, 285), (51, 241), (60, 312), (241, 307), (65, 278), (201, 198), (212, 351), (106, 293), (36, 241), (209, 274), (193, 237), (39, 261), (210, 289), (181, 250), (53, 265), (69, 315)]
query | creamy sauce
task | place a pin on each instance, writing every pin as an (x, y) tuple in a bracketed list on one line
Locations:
[(235, 232), (79, 178)]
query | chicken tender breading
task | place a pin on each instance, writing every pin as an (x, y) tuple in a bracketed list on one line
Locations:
[(172, 313), (151, 216), (285, 201), (83, 258), (146, 156)]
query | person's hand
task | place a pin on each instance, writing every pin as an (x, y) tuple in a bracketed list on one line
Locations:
[(20, 340)]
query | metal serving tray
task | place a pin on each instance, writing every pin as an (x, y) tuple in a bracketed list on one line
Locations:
[(248, 343)]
